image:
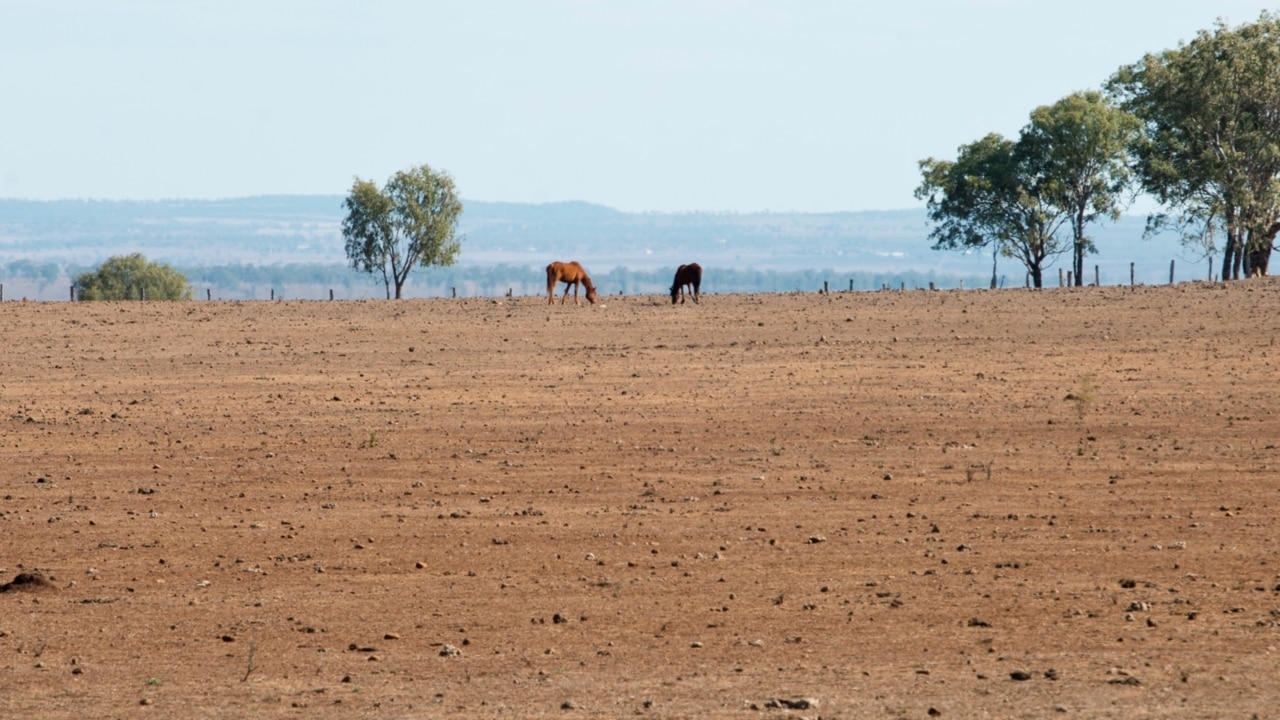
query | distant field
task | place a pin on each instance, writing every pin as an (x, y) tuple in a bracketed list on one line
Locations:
[(282, 243)]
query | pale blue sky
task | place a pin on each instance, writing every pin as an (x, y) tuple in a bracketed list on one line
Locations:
[(642, 105)]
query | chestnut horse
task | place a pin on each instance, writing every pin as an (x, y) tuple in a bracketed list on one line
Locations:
[(690, 275), (570, 273)]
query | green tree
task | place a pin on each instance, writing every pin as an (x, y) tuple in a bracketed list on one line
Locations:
[(132, 277), (1079, 148), (990, 196), (1210, 150), (410, 222)]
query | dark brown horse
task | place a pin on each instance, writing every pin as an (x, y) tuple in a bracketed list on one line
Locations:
[(690, 275), (570, 273)]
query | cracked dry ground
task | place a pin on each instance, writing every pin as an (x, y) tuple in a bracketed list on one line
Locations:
[(893, 504)]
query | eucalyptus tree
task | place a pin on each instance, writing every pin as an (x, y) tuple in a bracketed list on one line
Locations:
[(1210, 151), (990, 197), (411, 222), (1078, 147)]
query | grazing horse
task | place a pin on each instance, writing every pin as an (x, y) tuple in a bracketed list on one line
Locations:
[(570, 273), (690, 275)]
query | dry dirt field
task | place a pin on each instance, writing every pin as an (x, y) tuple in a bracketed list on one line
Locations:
[(895, 504)]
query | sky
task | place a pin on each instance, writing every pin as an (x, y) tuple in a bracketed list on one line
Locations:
[(640, 105)]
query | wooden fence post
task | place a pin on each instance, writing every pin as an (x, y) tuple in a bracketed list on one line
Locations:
[(1059, 277), (1096, 277), (1171, 272), (1130, 274)]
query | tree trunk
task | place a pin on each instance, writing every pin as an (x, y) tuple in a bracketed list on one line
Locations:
[(1231, 256), (1260, 249), (1037, 276), (1077, 227)]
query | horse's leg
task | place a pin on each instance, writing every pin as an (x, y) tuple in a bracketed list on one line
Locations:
[(566, 292), (551, 291)]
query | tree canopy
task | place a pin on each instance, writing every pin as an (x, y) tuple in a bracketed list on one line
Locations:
[(1210, 151), (410, 222), (132, 277), (1079, 148), (990, 196)]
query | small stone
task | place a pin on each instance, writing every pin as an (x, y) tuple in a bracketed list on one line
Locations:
[(1020, 675)]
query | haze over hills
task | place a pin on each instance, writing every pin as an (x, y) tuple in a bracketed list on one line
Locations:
[(245, 246)]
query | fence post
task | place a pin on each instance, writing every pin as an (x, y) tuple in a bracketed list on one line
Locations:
[(330, 293), (273, 293), (1071, 278), (850, 286), (1171, 271), (1096, 277), (1130, 274), (73, 293), (455, 292), (1059, 277)]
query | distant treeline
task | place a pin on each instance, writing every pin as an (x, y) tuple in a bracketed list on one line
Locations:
[(302, 281)]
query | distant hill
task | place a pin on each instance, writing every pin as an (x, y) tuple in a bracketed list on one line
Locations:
[(284, 230)]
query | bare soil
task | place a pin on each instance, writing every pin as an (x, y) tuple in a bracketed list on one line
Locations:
[(898, 504)]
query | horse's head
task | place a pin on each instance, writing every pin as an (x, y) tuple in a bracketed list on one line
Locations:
[(675, 293), (591, 295)]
